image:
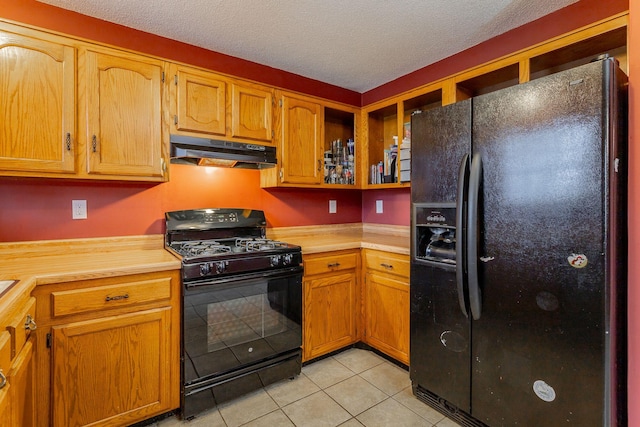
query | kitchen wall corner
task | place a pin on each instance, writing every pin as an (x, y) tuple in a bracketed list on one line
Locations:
[(396, 206)]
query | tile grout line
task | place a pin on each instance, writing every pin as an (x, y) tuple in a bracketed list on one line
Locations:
[(357, 362)]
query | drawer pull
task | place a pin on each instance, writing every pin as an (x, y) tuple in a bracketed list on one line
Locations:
[(30, 324), (3, 379), (117, 297), (387, 266), (333, 264)]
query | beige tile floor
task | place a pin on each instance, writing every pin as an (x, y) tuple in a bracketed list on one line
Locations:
[(353, 388)]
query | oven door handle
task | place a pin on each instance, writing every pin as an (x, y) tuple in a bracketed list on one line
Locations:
[(265, 274)]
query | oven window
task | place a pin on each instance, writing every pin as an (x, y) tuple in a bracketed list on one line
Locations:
[(226, 327), (245, 315)]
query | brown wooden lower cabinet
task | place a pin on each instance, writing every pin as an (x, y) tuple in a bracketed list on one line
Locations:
[(5, 403), (108, 350), (21, 380), (386, 302), (4, 406), (331, 288), (17, 367), (387, 315), (340, 309)]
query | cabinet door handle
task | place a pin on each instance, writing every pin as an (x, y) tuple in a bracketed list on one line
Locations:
[(30, 324), (319, 165), (68, 141), (117, 297), (94, 143), (3, 379), (333, 264)]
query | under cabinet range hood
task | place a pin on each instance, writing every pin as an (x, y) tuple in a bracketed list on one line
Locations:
[(212, 152)]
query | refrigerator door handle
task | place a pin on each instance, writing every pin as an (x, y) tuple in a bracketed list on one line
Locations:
[(461, 215), (475, 296)]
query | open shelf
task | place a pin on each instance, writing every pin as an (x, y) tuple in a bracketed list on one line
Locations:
[(383, 126), (339, 147), (612, 42), (422, 102), (491, 81)]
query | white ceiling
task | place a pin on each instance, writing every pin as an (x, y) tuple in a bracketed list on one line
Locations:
[(354, 44)]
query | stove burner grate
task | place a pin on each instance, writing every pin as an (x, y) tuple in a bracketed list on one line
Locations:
[(254, 245), (200, 248)]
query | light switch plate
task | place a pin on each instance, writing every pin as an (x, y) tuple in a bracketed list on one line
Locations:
[(333, 206), (379, 208), (79, 209)]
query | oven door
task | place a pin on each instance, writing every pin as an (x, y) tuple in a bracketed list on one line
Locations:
[(235, 322)]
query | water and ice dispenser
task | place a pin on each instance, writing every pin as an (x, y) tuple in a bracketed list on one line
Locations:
[(435, 233)]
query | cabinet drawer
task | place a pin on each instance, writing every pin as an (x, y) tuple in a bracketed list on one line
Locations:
[(21, 325), (387, 262), (112, 296), (330, 263)]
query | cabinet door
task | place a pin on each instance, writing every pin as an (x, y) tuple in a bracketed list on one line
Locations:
[(251, 112), (112, 370), (124, 133), (387, 315), (22, 387), (329, 314), (301, 135), (199, 102), (5, 406), (37, 105), (5, 361)]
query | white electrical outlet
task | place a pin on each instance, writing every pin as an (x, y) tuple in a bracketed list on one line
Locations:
[(379, 208), (79, 209), (333, 206)]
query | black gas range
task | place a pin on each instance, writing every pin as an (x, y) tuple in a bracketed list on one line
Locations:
[(215, 243), (242, 304)]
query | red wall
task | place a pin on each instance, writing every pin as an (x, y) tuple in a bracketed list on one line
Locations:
[(634, 213), (40, 209), (396, 206)]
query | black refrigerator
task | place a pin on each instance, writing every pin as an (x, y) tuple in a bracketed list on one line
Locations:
[(518, 253)]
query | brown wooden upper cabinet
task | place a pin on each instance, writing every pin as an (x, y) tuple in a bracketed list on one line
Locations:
[(316, 143), (209, 105), (300, 140), (122, 105), (37, 105), (198, 101), (251, 112), (73, 110)]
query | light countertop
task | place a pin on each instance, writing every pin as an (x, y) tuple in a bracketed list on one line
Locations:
[(327, 238), (45, 262)]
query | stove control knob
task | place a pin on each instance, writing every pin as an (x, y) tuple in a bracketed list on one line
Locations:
[(221, 266), (286, 259), (205, 269), (275, 260)]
